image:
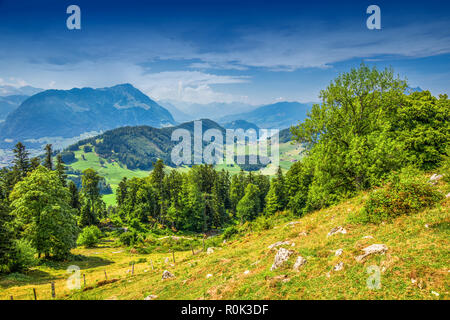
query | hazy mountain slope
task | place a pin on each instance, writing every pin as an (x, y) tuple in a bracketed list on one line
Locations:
[(241, 124), (69, 113), (9, 104), (273, 116), (213, 110), (177, 114)]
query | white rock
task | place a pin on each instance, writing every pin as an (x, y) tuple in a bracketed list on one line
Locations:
[(246, 271), (427, 226), (279, 243), (367, 237), (293, 223), (338, 252), (413, 280), (281, 257), (151, 297), (338, 267), (337, 230), (375, 248), (209, 275), (435, 293), (209, 250), (299, 262), (167, 275), (435, 178), (166, 260), (303, 234)]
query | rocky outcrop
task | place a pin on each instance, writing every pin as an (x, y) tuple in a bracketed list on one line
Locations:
[(299, 263), (337, 230), (281, 257), (373, 249), (167, 275)]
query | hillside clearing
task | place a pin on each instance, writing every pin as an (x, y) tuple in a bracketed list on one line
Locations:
[(415, 265)]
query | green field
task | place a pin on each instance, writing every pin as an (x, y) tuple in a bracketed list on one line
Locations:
[(113, 172)]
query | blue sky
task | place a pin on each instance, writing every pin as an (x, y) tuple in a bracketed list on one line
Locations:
[(203, 51)]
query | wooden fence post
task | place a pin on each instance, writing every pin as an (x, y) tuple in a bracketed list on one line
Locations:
[(192, 250), (106, 277), (84, 280), (53, 290), (173, 255), (152, 264), (34, 293)]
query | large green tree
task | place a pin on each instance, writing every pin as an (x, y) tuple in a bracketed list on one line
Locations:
[(44, 216), (348, 137)]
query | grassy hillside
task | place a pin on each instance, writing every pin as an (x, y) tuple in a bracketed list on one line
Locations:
[(415, 265), (113, 172)]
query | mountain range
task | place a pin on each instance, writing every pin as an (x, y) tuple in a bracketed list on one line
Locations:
[(214, 110), (8, 90), (70, 113), (279, 115)]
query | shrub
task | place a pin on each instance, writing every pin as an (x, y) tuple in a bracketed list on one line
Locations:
[(89, 237), (131, 238), (24, 256), (230, 232), (405, 193)]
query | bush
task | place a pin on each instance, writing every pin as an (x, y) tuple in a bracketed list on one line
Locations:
[(89, 237), (131, 238), (405, 193), (87, 149), (24, 256), (230, 232)]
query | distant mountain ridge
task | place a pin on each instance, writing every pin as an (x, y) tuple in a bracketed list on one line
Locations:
[(8, 90), (69, 113), (273, 116), (213, 110)]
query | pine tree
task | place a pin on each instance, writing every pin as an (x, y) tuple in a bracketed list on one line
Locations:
[(276, 199), (74, 196), (87, 217), (157, 178), (121, 192), (21, 162), (61, 170), (91, 192), (34, 163), (6, 238), (237, 189), (48, 163), (249, 207)]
